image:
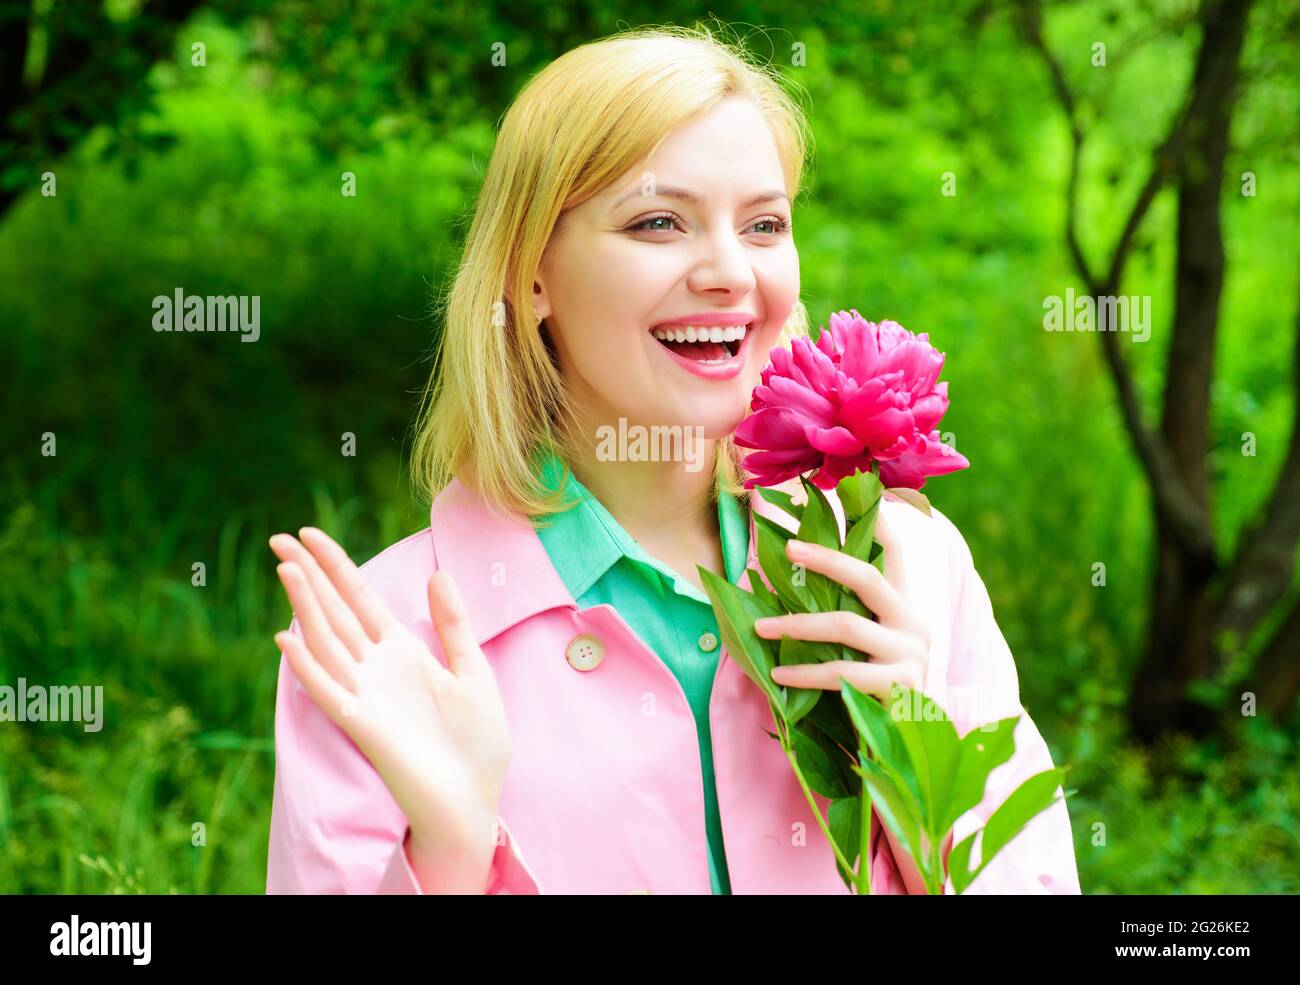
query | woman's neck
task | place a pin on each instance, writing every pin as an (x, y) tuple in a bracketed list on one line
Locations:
[(662, 502)]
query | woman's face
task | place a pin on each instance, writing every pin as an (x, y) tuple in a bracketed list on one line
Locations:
[(697, 237)]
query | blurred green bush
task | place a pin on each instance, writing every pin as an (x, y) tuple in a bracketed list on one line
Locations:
[(177, 449)]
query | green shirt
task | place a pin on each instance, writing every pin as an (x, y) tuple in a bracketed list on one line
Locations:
[(600, 563)]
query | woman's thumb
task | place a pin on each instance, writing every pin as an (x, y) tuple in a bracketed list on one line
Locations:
[(451, 622)]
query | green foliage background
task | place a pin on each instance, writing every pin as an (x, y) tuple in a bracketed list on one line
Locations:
[(174, 449)]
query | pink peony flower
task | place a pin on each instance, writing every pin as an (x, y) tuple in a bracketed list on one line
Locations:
[(862, 393)]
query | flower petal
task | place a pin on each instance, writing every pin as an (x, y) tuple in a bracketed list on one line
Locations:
[(928, 457), (833, 441), (772, 427), (782, 391)]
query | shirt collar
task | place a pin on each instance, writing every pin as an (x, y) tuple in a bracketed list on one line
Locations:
[(585, 541)]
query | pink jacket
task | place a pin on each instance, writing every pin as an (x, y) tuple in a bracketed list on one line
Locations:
[(604, 791)]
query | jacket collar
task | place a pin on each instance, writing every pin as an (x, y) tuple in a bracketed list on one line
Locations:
[(500, 567), (496, 559)]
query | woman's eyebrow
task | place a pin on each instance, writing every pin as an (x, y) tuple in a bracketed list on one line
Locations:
[(693, 199)]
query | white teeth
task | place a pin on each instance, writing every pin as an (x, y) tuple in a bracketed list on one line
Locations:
[(693, 333)]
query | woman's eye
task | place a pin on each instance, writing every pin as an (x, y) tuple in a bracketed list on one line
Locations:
[(644, 224), (778, 224)]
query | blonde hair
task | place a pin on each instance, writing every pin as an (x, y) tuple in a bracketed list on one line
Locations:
[(495, 395)]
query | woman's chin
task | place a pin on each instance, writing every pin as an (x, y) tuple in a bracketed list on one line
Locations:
[(716, 418)]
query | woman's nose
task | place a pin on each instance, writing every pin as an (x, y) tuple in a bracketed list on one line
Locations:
[(725, 266)]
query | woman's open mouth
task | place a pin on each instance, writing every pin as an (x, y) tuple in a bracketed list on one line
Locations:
[(706, 346), (713, 352)]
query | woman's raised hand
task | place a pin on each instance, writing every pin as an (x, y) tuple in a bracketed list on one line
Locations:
[(437, 735)]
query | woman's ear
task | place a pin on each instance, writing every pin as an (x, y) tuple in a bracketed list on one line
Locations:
[(541, 303), (529, 306)]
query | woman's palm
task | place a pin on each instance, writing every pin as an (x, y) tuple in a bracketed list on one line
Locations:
[(436, 734)]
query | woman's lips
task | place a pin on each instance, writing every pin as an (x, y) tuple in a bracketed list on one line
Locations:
[(722, 369)]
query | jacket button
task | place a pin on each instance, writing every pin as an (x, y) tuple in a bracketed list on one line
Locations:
[(585, 652), (708, 642)]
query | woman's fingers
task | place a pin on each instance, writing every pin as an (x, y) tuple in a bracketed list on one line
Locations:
[(325, 647), (898, 645), (849, 628), (871, 678), (346, 577), (337, 613), (331, 696), (451, 621), (877, 593)]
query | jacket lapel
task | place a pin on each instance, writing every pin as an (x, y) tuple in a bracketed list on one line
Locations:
[(486, 551)]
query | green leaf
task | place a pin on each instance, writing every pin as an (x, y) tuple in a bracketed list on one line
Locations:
[(1028, 800), (872, 724), (934, 749), (799, 700), (841, 759), (895, 810), (779, 532), (1032, 797), (858, 493), (817, 768), (877, 729), (736, 611), (767, 599), (981, 753), (861, 537), (844, 818), (850, 602), (832, 719), (778, 568), (781, 499), (818, 525), (959, 863)]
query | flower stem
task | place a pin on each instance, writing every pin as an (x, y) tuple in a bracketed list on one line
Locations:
[(864, 847), (807, 790), (937, 864)]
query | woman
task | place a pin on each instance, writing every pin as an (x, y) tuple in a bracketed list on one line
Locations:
[(529, 695)]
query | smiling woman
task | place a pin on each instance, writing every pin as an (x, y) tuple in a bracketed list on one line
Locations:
[(719, 271), (530, 695), (618, 224)]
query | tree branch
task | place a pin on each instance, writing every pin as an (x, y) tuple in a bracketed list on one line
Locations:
[(1186, 518), (1031, 26)]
